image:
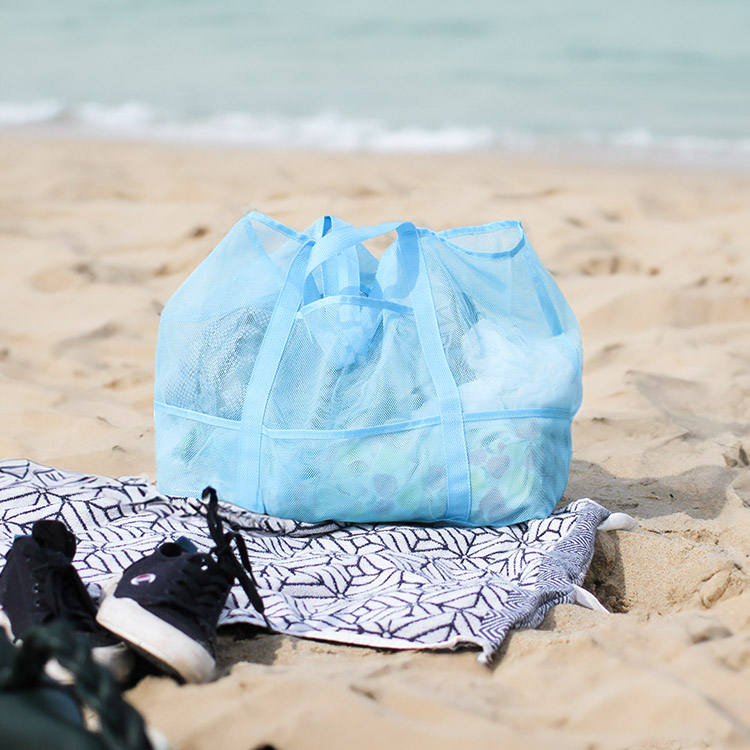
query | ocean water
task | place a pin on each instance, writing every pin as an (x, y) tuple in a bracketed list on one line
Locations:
[(394, 75)]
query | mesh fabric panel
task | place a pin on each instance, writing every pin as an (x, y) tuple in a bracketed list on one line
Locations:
[(193, 454), (519, 467), (325, 382), (391, 475), (497, 321)]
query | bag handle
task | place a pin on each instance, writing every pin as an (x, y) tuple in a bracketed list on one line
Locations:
[(339, 276), (337, 241), (308, 258)]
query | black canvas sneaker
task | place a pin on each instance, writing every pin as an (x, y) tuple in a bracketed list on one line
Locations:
[(167, 605), (39, 586)]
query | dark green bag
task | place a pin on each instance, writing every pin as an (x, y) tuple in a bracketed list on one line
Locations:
[(39, 713)]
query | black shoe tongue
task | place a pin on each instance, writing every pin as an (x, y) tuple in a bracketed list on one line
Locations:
[(186, 544), (54, 535)]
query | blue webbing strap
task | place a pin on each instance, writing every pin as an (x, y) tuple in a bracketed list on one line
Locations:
[(310, 255), (458, 478), (264, 372), (343, 275)]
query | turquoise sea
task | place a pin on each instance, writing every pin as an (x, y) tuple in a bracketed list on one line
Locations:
[(393, 75)]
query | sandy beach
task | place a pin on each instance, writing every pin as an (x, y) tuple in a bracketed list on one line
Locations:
[(655, 262)]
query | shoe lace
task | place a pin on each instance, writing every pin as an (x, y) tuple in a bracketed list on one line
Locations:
[(225, 554)]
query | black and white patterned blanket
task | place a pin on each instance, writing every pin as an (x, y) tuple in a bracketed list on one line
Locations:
[(386, 585)]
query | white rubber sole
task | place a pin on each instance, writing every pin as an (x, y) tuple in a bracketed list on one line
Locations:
[(155, 639), (117, 658), (5, 625)]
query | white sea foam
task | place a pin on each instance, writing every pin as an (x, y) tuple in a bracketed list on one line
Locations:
[(13, 114), (328, 131), (332, 132), (641, 138)]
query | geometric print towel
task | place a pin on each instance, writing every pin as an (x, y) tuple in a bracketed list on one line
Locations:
[(393, 586)]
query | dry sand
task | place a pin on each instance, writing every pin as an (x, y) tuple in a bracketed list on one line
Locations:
[(94, 238)]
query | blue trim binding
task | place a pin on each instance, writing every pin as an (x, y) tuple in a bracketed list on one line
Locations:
[(196, 416), (348, 299), (352, 432)]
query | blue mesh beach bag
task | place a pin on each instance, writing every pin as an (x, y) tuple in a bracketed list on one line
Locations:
[(303, 378)]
